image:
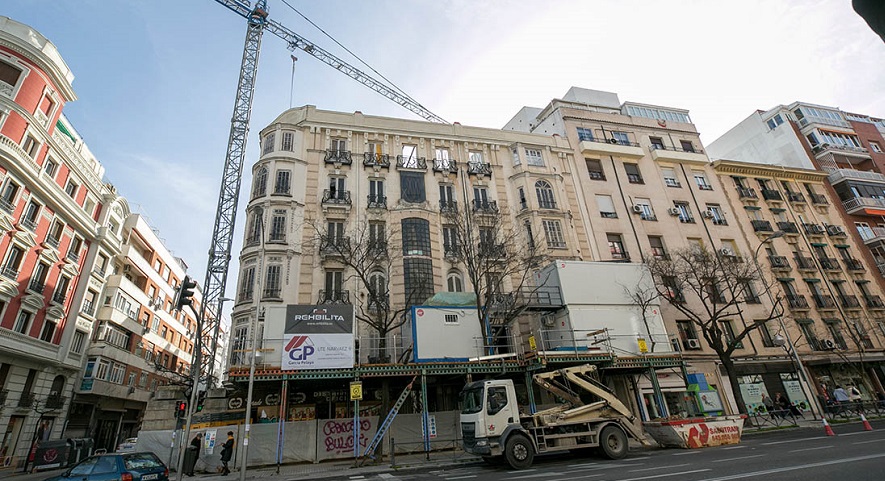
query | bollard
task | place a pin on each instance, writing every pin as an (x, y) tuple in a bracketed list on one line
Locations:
[(392, 453)]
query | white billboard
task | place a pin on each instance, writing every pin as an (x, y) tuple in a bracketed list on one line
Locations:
[(318, 337)]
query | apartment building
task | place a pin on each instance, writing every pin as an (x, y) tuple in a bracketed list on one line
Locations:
[(52, 217), (835, 313), (646, 187)]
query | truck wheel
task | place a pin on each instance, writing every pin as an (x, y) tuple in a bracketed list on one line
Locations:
[(519, 452), (613, 442)]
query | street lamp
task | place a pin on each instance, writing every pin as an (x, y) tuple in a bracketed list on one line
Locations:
[(785, 341)]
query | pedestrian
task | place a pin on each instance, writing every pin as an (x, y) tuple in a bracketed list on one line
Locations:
[(853, 393), (768, 403), (840, 395), (227, 450), (783, 404), (197, 440), (195, 452)]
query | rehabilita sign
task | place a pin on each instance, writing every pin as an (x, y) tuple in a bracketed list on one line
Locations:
[(318, 337)]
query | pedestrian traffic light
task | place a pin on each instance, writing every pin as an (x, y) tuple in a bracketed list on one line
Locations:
[(180, 409), (184, 295)]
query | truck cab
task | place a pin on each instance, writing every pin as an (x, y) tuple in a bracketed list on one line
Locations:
[(489, 412)]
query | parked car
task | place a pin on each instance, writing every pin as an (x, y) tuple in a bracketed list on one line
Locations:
[(127, 446), (117, 467)]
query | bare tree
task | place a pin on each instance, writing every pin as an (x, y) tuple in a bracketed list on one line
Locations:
[(710, 290), (644, 295), (494, 253)]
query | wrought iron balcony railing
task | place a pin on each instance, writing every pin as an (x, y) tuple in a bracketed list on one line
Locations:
[(771, 194), (830, 264), (761, 226), (824, 301), (788, 227), (36, 286), (376, 160), (411, 162), (854, 265), (271, 293), (479, 168), (445, 165), (779, 262), (55, 401), (26, 400), (874, 302), (849, 301), (377, 201), (448, 206), (338, 157), (795, 196), (747, 193), (336, 197), (819, 199), (335, 296), (485, 207), (797, 301), (804, 263), (52, 242)]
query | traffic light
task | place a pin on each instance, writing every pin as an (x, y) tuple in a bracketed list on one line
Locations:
[(185, 294), (201, 398), (180, 409)]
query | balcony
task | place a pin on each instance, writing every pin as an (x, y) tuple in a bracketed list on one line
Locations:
[(55, 401), (848, 153), (376, 160), (797, 301), (835, 231), (746, 193), (872, 235), (340, 157), (59, 297), (36, 286), (336, 296), (336, 197), (485, 207), (333, 245), (479, 168), (804, 263), (874, 302), (451, 251), (841, 175), (788, 227), (761, 226), (814, 229), (73, 256), (10, 273), (28, 224), (547, 204), (849, 301), (6, 206), (864, 205), (854, 265), (51, 242), (448, 206), (88, 308), (376, 202), (771, 194), (596, 174), (824, 301), (445, 165), (490, 250), (671, 182), (779, 263), (830, 264), (377, 248), (635, 179), (613, 147), (271, 293), (677, 154), (26, 400), (818, 199), (795, 197), (419, 163)]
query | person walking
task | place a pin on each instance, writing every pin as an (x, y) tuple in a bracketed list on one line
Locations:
[(227, 450), (193, 453), (768, 403)]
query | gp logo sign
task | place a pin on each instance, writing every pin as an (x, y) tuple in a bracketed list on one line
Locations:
[(300, 348)]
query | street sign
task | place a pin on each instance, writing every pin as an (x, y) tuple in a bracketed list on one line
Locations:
[(643, 347), (356, 391), (532, 344)]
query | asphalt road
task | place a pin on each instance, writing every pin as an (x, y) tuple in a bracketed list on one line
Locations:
[(795, 455)]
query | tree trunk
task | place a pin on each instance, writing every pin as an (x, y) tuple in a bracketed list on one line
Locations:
[(383, 356), (728, 364)]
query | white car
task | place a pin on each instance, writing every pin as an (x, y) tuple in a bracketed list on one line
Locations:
[(127, 446)]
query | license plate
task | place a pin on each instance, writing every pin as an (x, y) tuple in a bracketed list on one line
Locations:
[(147, 477)]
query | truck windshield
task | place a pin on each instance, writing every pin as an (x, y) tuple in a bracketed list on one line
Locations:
[(471, 401)]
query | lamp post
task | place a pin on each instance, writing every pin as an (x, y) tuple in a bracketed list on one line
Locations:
[(254, 328), (786, 341)]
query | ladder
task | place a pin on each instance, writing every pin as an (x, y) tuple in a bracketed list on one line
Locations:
[(382, 429)]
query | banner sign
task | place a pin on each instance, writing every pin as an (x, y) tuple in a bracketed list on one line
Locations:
[(318, 337)]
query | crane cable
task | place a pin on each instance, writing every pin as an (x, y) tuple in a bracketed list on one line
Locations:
[(353, 54)]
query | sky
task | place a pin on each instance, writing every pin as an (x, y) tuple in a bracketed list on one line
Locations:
[(156, 79)]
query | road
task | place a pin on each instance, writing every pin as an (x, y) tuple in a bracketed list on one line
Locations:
[(795, 455)]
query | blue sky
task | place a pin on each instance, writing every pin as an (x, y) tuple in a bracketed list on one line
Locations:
[(156, 78)]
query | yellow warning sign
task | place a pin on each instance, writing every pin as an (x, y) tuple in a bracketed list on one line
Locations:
[(643, 347), (356, 391), (532, 344)]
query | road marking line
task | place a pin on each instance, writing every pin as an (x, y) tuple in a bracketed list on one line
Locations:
[(756, 474), (582, 465), (659, 467), (687, 452), (794, 440), (612, 465), (739, 457), (513, 471), (733, 447), (536, 475), (666, 475), (854, 434), (810, 449), (870, 441), (386, 476), (464, 477), (576, 477)]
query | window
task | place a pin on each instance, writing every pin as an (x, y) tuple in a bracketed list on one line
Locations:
[(31, 214), (78, 342), (50, 166), (701, 180), (9, 75), (418, 275), (31, 146), (684, 212), (584, 134), (447, 201), (337, 192), (686, 145), (268, 144), (450, 240), (514, 154), (376, 193), (545, 195), (606, 206), (633, 174), (481, 198), (338, 146), (416, 237), (775, 121), (765, 332), (412, 187), (594, 168), (255, 227), (443, 162), (288, 138), (272, 281), (669, 175), (454, 282), (335, 232), (116, 377), (13, 262), (656, 143), (259, 183), (283, 183), (377, 236), (409, 156), (278, 226), (533, 157), (474, 157), (38, 278), (71, 188), (22, 322), (530, 236), (657, 247), (714, 212), (875, 146), (616, 247), (8, 195), (553, 232), (686, 334), (374, 149), (728, 331), (621, 138), (645, 210)]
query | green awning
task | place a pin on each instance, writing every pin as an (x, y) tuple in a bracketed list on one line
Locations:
[(862, 281), (819, 244), (811, 280), (785, 279), (841, 246), (832, 321), (776, 210), (752, 207), (805, 320), (60, 126)]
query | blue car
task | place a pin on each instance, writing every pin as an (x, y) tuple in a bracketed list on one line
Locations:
[(117, 467)]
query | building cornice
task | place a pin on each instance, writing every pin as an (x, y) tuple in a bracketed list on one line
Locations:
[(766, 170)]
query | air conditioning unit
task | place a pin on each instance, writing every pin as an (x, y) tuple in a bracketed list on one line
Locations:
[(673, 211), (726, 251), (637, 209), (829, 344), (707, 214), (613, 141), (694, 344)]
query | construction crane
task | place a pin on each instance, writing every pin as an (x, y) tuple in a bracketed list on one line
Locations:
[(225, 216)]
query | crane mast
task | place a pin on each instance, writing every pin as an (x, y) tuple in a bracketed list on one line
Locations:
[(225, 217)]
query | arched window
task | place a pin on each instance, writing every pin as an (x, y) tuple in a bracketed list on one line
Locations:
[(58, 386), (259, 183), (377, 290), (545, 195), (455, 282), (255, 227)]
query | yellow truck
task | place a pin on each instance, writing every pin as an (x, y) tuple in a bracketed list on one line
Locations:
[(591, 416)]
